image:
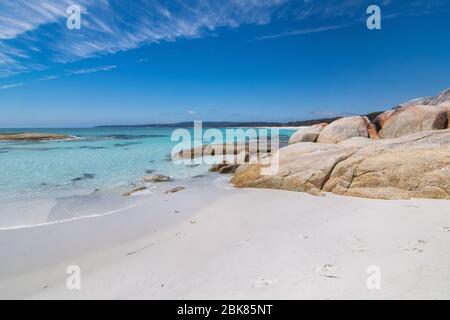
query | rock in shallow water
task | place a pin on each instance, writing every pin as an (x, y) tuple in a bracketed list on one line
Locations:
[(135, 190), (156, 178), (31, 136), (175, 190)]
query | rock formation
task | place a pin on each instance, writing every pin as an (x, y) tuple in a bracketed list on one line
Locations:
[(307, 134), (416, 165), (31, 136), (343, 129), (411, 119), (443, 98)]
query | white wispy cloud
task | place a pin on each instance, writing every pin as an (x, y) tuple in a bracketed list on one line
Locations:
[(110, 26), (10, 86), (21, 16), (33, 34), (301, 32), (48, 78), (191, 112), (143, 60), (92, 70)]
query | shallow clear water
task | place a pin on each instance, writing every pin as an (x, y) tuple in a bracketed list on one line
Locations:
[(111, 158), (105, 160)]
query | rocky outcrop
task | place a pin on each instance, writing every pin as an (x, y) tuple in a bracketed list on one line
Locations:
[(307, 134), (345, 128), (416, 102), (407, 120), (303, 167), (413, 166), (416, 165), (31, 136), (443, 98), (227, 149)]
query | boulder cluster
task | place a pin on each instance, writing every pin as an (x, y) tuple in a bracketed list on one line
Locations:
[(402, 153)]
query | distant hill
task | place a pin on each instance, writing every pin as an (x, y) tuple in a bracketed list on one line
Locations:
[(222, 124)]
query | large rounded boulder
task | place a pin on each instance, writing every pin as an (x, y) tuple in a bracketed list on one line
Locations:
[(345, 128), (416, 165), (307, 134), (407, 120)]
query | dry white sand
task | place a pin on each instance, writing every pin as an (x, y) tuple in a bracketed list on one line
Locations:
[(237, 244)]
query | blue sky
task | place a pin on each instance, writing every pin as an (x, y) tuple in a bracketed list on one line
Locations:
[(140, 61)]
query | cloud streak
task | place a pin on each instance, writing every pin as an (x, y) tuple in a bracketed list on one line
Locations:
[(33, 34), (92, 70), (48, 78), (301, 32), (10, 86), (111, 26)]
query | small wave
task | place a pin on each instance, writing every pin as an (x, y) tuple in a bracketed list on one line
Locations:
[(97, 215)]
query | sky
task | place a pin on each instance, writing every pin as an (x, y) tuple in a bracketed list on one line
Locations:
[(166, 61)]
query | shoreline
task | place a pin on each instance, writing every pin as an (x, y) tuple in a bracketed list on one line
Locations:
[(253, 244)]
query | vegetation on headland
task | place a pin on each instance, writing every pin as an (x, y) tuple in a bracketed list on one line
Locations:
[(240, 124)]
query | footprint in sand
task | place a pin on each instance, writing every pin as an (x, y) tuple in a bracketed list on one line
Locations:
[(327, 271), (361, 249), (326, 268), (415, 246), (264, 283)]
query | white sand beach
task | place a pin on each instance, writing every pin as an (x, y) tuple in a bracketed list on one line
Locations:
[(225, 243)]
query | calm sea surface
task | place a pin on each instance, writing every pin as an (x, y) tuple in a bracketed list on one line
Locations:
[(111, 159)]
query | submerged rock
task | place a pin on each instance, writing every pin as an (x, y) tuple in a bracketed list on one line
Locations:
[(31, 136), (417, 165), (135, 190), (156, 178), (85, 176)]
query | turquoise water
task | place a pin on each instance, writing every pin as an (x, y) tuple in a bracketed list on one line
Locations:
[(108, 159)]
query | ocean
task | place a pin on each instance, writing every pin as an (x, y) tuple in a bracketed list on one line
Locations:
[(108, 161)]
